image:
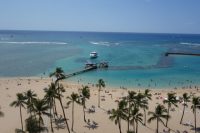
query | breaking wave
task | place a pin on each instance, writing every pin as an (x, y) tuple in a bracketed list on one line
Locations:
[(190, 44), (100, 43), (47, 43), (105, 43)]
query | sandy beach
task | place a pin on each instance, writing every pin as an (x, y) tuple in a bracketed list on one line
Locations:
[(99, 66), (11, 119)]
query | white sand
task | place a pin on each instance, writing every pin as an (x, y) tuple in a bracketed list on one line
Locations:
[(11, 120)]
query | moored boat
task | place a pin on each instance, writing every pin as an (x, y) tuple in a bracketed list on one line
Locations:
[(93, 54), (90, 64)]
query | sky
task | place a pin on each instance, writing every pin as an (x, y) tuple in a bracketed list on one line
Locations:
[(151, 16)]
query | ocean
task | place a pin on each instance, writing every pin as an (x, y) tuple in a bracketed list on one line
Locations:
[(136, 60)]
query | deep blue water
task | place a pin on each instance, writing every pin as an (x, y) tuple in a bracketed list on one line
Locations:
[(135, 59)]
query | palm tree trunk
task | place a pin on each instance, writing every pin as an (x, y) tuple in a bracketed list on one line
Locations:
[(84, 113), (51, 120), (39, 126), (119, 124), (21, 117), (55, 109), (168, 115), (195, 120), (128, 119), (39, 123), (32, 111), (133, 126), (34, 115), (182, 115), (99, 97), (145, 117), (31, 108), (60, 100), (136, 126), (72, 116), (64, 114), (157, 126)]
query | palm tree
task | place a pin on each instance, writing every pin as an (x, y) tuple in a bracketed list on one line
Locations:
[(116, 116), (135, 118), (141, 102), (54, 92), (20, 102), (85, 94), (186, 99), (60, 89), (195, 105), (58, 73), (160, 112), (32, 125), (130, 99), (171, 100), (49, 96), (100, 84), (122, 105), (30, 96), (73, 98), (119, 113), (40, 107), (133, 112), (147, 96), (138, 118)]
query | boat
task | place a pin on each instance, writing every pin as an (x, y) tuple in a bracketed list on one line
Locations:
[(103, 65), (93, 54), (90, 64)]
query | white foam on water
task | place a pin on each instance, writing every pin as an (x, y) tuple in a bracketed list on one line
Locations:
[(100, 43), (185, 43), (96, 43), (190, 44), (4, 38), (117, 43), (105, 43), (47, 43)]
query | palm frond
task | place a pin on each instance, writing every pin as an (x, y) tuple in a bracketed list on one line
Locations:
[(159, 119), (152, 119)]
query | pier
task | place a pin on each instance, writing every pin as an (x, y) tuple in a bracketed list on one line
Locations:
[(80, 71), (88, 67), (165, 61), (181, 53)]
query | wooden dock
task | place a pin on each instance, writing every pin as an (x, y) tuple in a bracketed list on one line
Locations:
[(81, 71), (89, 67)]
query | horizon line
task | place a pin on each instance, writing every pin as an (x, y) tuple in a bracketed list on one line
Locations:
[(129, 32)]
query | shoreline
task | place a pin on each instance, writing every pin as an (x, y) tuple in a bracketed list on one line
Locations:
[(107, 85), (109, 96)]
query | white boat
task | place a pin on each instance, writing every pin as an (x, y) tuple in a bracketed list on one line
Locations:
[(93, 54)]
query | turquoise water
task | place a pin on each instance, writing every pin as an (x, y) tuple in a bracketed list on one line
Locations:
[(135, 59)]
